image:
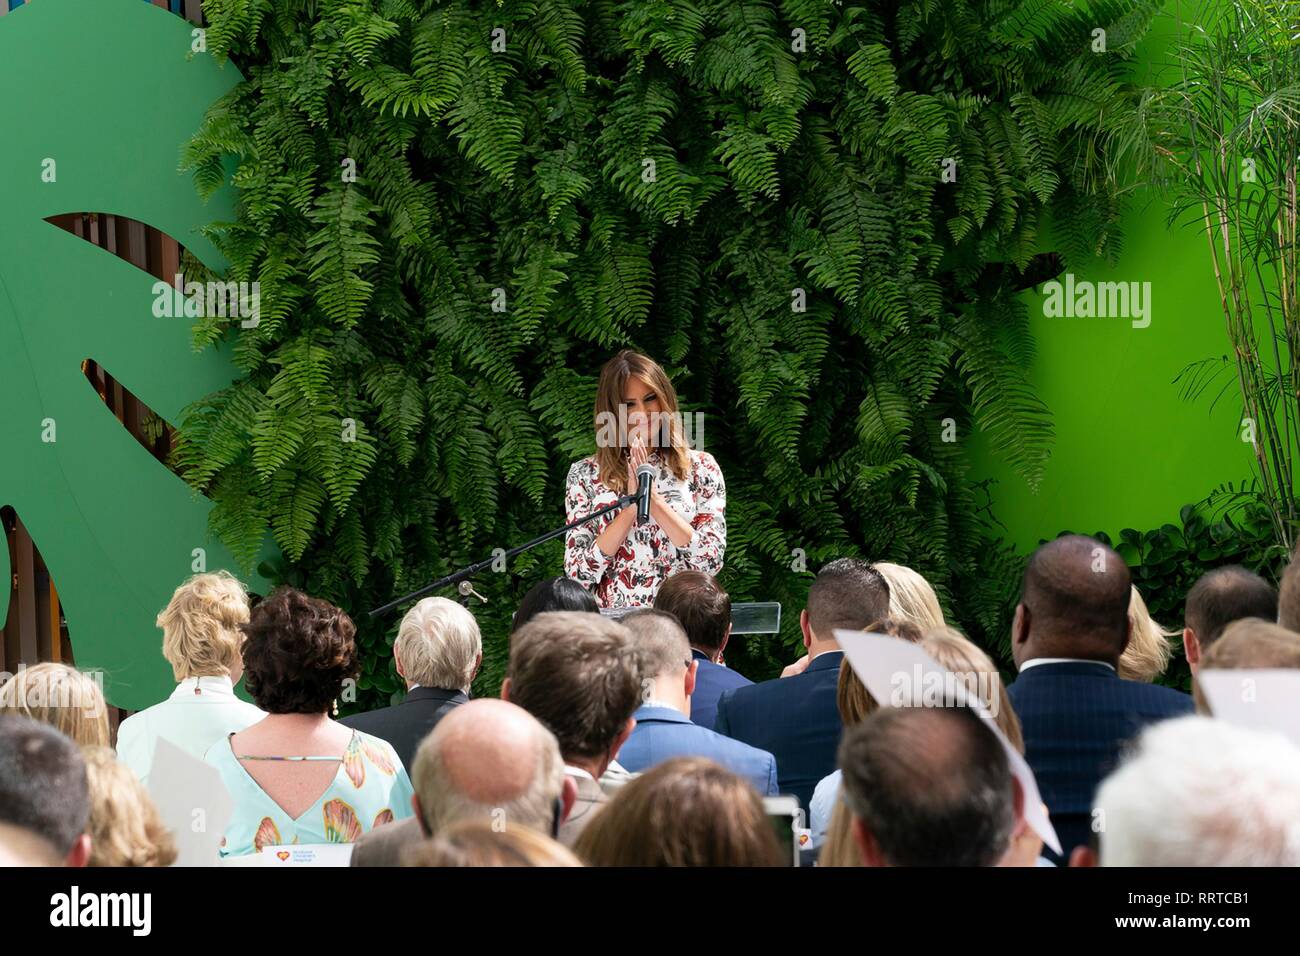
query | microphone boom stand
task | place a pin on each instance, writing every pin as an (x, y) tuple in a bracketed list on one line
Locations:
[(473, 569)]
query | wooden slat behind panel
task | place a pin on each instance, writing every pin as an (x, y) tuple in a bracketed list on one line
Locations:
[(24, 565)]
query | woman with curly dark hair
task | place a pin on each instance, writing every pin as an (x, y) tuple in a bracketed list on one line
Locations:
[(297, 776)]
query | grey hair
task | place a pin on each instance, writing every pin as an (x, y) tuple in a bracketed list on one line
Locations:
[(1202, 792), (439, 644), (442, 804)]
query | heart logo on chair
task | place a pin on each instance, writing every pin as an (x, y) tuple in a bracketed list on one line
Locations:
[(283, 854)]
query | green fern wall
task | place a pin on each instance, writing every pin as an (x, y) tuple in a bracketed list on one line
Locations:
[(761, 194)]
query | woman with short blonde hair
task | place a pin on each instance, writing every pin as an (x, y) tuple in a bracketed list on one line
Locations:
[(1149, 649), (125, 828), (200, 626), (202, 641), (61, 696)]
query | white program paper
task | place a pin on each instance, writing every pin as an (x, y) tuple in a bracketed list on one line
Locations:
[(192, 802), (879, 660), (1258, 699)]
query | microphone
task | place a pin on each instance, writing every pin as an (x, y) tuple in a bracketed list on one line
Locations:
[(645, 479)]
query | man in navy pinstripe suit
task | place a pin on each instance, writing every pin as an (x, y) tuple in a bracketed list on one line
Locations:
[(1070, 628)]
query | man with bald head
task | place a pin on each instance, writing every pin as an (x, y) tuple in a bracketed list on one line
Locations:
[(485, 760), (1070, 628)]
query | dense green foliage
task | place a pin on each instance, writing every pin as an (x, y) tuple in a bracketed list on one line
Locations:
[(751, 192)]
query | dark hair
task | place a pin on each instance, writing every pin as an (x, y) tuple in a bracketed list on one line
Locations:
[(848, 593), (1077, 592), (1225, 595), (686, 811), (44, 788), (553, 594), (932, 784), (576, 673), (298, 651), (701, 607)]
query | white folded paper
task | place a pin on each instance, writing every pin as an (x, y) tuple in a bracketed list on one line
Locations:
[(891, 669), (1258, 699), (192, 802)]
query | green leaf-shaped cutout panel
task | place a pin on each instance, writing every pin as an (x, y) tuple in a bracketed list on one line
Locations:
[(117, 530)]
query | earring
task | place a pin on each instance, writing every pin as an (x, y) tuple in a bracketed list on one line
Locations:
[(336, 706)]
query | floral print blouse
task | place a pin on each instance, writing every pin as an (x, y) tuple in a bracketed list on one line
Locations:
[(631, 577)]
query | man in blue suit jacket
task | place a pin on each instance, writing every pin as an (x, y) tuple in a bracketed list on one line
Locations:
[(703, 609), (663, 729), (1070, 628), (796, 718)]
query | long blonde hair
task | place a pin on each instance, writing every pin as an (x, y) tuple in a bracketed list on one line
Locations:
[(611, 457), (61, 696), (125, 827), (958, 654), (1149, 650), (911, 598)]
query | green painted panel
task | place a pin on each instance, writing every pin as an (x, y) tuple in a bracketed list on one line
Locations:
[(108, 91)]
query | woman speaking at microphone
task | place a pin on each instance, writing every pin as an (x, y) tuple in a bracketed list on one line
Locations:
[(637, 422)]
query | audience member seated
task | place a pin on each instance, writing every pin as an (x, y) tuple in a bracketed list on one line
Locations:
[(795, 718), (44, 796), (1077, 713), (703, 610), (201, 639), (663, 727), (687, 811), (488, 760), (297, 776), (912, 601), (1248, 644), (61, 696), (125, 829), (928, 786), (576, 673), (1199, 792), (1220, 597), (911, 598), (980, 677), (475, 843), (1149, 649), (853, 703), (437, 652), (553, 594)]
